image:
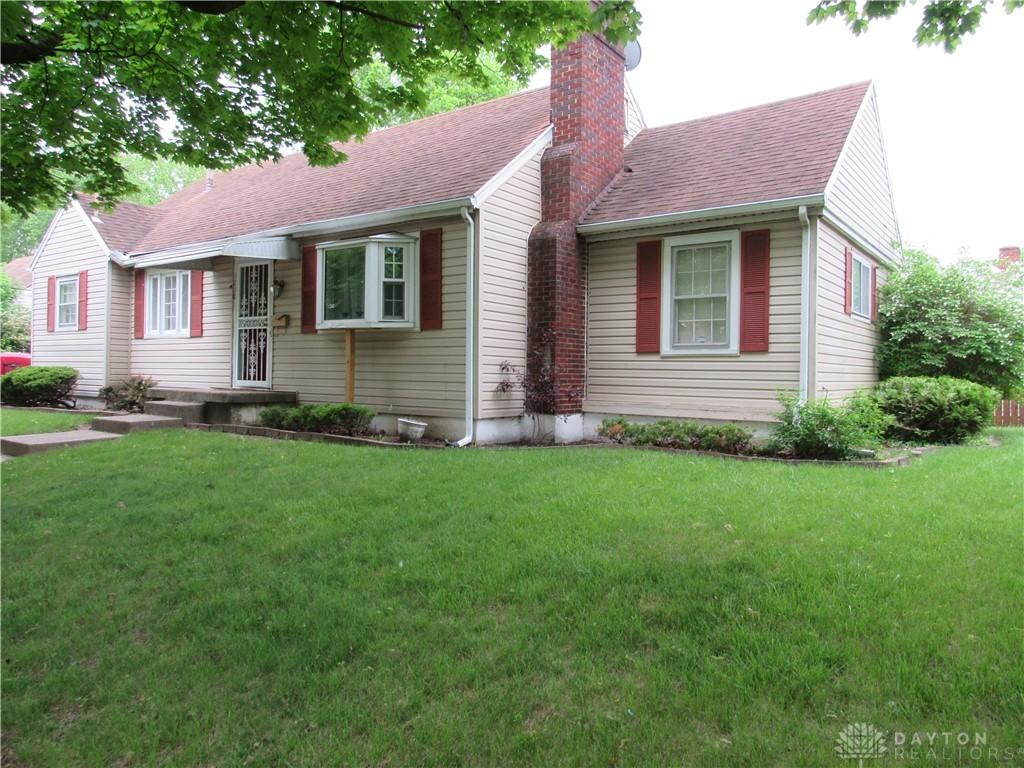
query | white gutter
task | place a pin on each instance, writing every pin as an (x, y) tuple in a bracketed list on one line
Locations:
[(467, 216), (666, 219), (373, 219), (805, 302)]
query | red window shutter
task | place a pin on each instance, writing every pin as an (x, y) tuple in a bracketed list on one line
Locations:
[(755, 268), (648, 296), (195, 293), (874, 294), (848, 300), (83, 300), (430, 280), (140, 304), (309, 289), (51, 303)]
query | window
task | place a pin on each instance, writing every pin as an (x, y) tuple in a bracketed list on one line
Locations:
[(700, 294), (861, 287), (167, 300), (67, 303), (366, 283)]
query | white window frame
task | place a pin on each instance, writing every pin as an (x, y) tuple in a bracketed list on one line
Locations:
[(668, 348), (373, 300), (71, 280), (858, 264), (183, 277)]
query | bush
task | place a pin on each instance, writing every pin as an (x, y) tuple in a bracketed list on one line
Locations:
[(39, 385), (129, 395), (724, 438), (964, 320), (936, 410), (339, 418), (818, 429)]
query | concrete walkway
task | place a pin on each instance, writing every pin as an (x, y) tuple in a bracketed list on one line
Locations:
[(102, 428)]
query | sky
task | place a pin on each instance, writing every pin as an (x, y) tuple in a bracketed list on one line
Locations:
[(953, 124)]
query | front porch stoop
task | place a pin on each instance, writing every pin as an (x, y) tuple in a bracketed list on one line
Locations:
[(134, 422)]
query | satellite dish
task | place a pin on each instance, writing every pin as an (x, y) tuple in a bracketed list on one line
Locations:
[(632, 54)]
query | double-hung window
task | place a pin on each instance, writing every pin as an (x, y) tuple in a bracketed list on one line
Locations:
[(167, 300), (700, 304), (861, 287), (67, 303), (367, 283)]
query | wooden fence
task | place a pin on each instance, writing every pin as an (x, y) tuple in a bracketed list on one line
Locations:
[(1009, 413)]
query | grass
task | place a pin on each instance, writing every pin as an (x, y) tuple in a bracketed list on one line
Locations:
[(27, 421), (188, 598)]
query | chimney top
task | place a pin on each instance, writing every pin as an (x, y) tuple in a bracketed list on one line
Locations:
[(1008, 255)]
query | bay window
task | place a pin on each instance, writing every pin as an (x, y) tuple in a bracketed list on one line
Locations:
[(700, 306), (366, 283), (167, 302)]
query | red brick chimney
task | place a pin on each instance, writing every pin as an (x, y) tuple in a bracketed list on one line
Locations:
[(1008, 255), (588, 112)]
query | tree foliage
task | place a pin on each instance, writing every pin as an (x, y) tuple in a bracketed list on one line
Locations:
[(964, 320), (14, 318), (943, 22), (225, 83)]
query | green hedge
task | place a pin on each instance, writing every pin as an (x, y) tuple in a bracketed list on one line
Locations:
[(936, 410), (339, 418), (819, 429), (725, 438), (39, 385)]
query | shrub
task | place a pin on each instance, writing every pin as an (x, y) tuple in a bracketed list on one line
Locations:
[(129, 394), (818, 429), (339, 418), (724, 438), (39, 385), (964, 320), (936, 410)]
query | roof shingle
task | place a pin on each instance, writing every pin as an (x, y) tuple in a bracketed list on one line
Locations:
[(769, 152)]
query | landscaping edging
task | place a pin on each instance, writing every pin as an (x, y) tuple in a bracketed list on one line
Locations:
[(321, 437)]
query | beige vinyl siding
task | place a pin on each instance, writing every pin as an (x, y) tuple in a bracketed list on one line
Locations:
[(72, 247), (119, 340), (737, 387), (845, 344), (182, 361), (506, 221), (398, 372), (859, 191)]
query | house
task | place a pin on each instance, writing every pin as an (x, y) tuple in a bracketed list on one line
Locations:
[(21, 275), (688, 271)]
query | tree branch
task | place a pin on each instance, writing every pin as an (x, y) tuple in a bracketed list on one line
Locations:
[(27, 51), (211, 7), (343, 6)]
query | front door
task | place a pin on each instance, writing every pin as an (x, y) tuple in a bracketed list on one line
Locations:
[(254, 305)]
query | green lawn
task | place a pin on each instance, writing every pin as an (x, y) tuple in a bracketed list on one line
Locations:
[(27, 421), (186, 598)]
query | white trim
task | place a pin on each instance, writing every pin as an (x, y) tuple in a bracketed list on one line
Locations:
[(106, 324), (184, 329), (367, 220), (244, 247), (805, 301), (373, 282), (74, 206), (732, 236), (468, 217), (495, 183), (839, 225), (858, 259), (680, 217), (72, 280), (269, 383)]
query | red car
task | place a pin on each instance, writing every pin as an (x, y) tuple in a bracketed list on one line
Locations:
[(11, 360)]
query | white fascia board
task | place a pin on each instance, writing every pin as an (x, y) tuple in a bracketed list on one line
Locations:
[(832, 218), (498, 180), (74, 207), (682, 217)]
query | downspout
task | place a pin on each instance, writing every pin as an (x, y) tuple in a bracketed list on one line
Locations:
[(805, 301), (467, 216)]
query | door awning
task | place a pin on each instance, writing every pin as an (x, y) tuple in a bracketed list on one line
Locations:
[(201, 255)]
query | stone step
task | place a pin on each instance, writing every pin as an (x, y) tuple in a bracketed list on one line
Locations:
[(240, 396), (22, 445), (190, 413), (135, 422)]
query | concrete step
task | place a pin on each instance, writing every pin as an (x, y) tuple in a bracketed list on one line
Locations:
[(238, 396), (22, 445), (190, 413), (135, 422)]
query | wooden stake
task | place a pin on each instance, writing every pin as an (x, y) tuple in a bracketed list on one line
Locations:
[(350, 365)]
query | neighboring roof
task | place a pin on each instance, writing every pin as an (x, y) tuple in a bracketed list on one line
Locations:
[(433, 159), (19, 271), (122, 227), (775, 151)]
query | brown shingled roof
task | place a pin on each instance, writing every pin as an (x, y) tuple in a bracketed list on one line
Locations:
[(19, 272), (122, 227), (769, 152), (437, 158)]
